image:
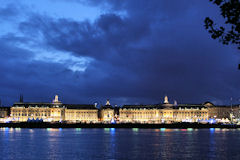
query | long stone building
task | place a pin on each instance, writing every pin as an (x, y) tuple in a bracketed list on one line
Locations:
[(54, 112), (163, 113), (89, 113), (169, 113)]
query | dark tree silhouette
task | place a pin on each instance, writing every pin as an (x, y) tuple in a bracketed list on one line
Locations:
[(228, 33)]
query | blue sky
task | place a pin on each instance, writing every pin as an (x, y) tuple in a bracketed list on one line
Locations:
[(131, 52)]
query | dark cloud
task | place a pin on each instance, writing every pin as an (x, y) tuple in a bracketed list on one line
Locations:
[(8, 12), (141, 51)]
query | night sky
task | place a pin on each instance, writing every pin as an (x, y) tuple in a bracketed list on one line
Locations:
[(130, 51)]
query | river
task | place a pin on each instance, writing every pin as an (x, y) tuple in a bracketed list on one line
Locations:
[(111, 143)]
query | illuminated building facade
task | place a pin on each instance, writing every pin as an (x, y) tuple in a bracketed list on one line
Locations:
[(4, 112), (169, 113), (88, 113), (163, 113), (54, 112), (107, 113), (81, 113), (223, 112)]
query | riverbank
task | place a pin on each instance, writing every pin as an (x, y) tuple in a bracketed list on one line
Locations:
[(125, 125)]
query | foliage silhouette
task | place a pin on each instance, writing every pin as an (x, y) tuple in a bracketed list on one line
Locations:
[(229, 33)]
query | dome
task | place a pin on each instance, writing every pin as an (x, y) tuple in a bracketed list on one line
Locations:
[(208, 104)]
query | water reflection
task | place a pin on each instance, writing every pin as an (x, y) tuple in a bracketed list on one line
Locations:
[(6, 129), (168, 130), (106, 130), (112, 131), (212, 144), (53, 143), (212, 130), (78, 130), (162, 129), (135, 129), (111, 143)]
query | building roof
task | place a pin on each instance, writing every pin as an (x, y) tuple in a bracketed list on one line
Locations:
[(4, 108), (79, 106), (33, 104), (107, 107), (163, 106), (142, 106), (51, 105), (228, 106)]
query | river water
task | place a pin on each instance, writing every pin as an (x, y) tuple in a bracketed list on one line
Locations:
[(139, 144)]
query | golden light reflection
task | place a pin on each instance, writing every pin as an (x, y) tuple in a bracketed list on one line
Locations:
[(156, 130), (168, 130)]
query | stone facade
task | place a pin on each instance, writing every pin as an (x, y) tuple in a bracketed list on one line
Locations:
[(107, 113), (54, 112), (162, 114), (4, 112), (81, 115), (87, 113)]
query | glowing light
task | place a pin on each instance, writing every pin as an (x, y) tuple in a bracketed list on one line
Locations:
[(212, 130), (60, 129), (224, 130), (7, 120), (135, 129), (106, 129), (113, 121), (112, 131), (78, 129), (183, 129), (211, 121), (162, 129), (189, 129), (48, 129)]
